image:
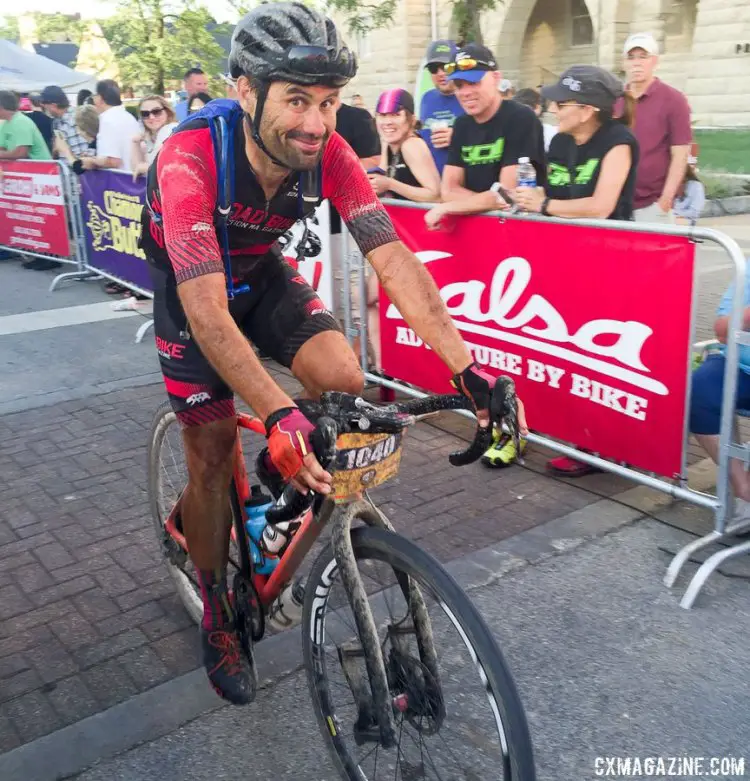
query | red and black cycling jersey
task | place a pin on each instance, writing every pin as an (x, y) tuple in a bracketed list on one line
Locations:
[(182, 190)]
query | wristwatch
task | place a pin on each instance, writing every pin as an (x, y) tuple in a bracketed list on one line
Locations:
[(545, 204)]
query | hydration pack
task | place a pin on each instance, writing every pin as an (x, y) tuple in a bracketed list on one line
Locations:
[(222, 117)]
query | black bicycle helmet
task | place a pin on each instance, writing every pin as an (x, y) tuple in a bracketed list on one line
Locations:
[(290, 42)]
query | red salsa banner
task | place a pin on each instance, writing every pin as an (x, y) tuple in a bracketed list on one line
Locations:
[(593, 325), (32, 207)]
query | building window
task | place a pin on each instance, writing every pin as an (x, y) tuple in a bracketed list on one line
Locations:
[(582, 28), (364, 45)]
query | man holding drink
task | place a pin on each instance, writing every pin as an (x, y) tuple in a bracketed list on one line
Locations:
[(440, 107)]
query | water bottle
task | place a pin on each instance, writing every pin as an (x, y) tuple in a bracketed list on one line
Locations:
[(526, 174), (286, 611), (256, 508)]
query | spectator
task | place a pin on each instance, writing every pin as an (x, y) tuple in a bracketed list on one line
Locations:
[(194, 81), (19, 137), (159, 121), (706, 397), (662, 127), (55, 102), (197, 102), (230, 85), (592, 164), (440, 107), (533, 99), (507, 90), (33, 110), (84, 96), (359, 102), (411, 174), (87, 125), (487, 142), (116, 130), (691, 197)]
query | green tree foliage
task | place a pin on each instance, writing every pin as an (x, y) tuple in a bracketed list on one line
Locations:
[(364, 16), (154, 42), (9, 28), (59, 27)]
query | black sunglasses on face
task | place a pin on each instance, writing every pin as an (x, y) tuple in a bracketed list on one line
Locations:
[(154, 111), (435, 67)]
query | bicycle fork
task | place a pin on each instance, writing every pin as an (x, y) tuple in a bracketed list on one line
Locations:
[(376, 705)]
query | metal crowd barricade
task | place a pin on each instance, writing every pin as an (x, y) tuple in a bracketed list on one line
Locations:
[(109, 208), (721, 503), (34, 201)]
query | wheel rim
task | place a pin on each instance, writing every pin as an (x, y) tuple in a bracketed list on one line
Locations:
[(168, 483), (458, 749)]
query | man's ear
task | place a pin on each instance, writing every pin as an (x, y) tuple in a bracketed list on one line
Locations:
[(246, 94)]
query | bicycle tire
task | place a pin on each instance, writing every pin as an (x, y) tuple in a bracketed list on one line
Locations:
[(406, 556)]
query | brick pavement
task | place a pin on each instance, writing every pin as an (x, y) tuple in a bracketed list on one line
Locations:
[(88, 613)]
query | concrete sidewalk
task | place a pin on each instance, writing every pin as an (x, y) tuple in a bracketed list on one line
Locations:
[(607, 664)]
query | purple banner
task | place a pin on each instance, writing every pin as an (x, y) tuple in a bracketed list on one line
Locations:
[(112, 204)]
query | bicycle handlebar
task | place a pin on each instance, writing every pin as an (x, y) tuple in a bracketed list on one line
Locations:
[(338, 413)]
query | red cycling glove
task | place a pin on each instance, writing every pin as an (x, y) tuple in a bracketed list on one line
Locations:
[(288, 432)]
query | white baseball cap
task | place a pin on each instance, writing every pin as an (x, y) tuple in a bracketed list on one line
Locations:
[(644, 41)]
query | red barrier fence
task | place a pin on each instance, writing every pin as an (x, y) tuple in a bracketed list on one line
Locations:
[(32, 207), (593, 324)]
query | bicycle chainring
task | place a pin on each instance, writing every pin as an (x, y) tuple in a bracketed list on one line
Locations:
[(251, 620)]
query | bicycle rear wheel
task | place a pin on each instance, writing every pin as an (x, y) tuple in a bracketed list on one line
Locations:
[(167, 478), (469, 724)]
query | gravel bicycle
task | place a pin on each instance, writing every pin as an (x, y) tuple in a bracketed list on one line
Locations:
[(406, 679)]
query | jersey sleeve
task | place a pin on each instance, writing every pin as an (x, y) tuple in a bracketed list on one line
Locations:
[(186, 172), (347, 186)]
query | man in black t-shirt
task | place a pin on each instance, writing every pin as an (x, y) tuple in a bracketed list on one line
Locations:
[(487, 142)]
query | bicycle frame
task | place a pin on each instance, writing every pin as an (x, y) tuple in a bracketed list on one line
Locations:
[(268, 587)]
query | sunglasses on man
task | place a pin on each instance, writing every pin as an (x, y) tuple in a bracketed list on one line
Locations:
[(468, 64), (153, 112)]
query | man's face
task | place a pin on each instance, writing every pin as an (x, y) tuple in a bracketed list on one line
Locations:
[(640, 66), (53, 110), (477, 98), (195, 83), (297, 120), (99, 104), (5, 114), (439, 79)]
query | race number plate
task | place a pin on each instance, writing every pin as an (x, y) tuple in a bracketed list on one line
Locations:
[(364, 461)]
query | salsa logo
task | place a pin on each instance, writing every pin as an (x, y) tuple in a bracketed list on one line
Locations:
[(367, 455), (117, 226), (481, 154)]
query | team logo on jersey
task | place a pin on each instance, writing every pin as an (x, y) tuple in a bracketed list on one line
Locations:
[(483, 154), (559, 176)]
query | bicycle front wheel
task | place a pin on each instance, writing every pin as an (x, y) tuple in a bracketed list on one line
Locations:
[(464, 722)]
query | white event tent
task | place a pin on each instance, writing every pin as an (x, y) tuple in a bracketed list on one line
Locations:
[(23, 71)]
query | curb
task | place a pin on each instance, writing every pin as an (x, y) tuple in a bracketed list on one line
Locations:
[(164, 709)]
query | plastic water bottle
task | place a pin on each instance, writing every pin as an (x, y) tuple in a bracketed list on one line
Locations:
[(256, 508), (286, 611), (526, 173)]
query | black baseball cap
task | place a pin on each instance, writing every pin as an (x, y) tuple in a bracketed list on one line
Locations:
[(440, 51), (588, 85), (54, 95), (484, 61)]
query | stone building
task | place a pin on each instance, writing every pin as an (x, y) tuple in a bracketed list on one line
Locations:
[(705, 45)]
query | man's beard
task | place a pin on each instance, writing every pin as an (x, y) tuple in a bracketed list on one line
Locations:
[(282, 148)]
